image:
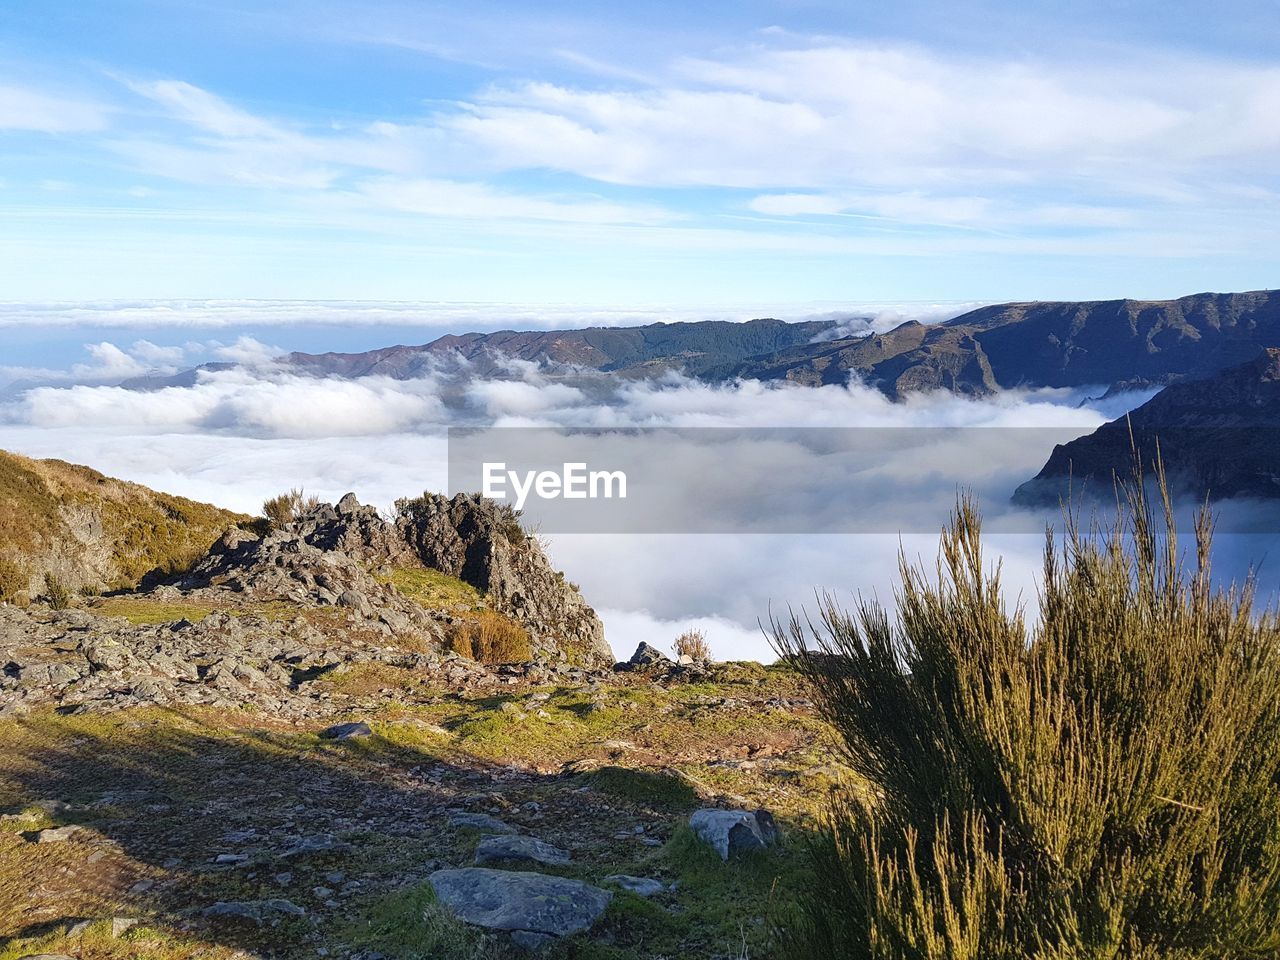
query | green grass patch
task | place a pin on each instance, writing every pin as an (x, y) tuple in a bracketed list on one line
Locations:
[(432, 589), (410, 924), (652, 788), (144, 612)]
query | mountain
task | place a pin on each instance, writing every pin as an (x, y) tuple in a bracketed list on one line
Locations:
[(1217, 438), (1043, 345), (692, 347), (89, 530), (1107, 343)]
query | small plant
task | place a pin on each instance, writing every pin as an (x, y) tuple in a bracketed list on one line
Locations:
[(490, 637), (56, 593), (13, 581), (692, 644), (284, 509)]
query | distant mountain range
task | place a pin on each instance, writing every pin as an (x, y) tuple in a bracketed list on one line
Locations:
[(1109, 343)]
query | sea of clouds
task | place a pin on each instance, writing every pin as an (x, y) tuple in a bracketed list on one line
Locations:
[(237, 436)]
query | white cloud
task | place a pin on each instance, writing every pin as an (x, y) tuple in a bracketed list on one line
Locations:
[(246, 351), (843, 114), (451, 199), (23, 109), (157, 355)]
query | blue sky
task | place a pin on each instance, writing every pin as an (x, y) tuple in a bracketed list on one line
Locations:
[(610, 154)]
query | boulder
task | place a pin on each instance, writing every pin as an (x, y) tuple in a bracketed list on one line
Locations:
[(481, 821), (734, 832), (514, 901), (496, 849), (646, 656), (346, 731)]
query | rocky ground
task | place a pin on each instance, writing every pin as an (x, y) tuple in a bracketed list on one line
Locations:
[(277, 754), (183, 831)]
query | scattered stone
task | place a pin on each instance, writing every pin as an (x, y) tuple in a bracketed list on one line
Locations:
[(500, 848), (255, 910), (640, 886), (347, 731), (733, 832), (57, 834), (481, 821), (229, 859), (122, 925), (514, 901)]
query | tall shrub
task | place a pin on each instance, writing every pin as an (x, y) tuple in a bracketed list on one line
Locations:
[(1104, 784)]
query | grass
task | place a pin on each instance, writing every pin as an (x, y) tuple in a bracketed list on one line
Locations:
[(433, 590), (142, 612), (150, 784), (655, 789), (410, 923)]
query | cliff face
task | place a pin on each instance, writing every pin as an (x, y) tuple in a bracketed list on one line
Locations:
[(481, 542), (1218, 437)]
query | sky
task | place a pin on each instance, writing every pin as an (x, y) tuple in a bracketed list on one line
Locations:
[(186, 181), (697, 156)]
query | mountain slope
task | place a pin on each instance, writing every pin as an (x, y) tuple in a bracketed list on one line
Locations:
[(1044, 345), (90, 530), (690, 346), (1217, 438)]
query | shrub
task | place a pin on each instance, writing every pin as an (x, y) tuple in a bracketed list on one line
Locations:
[(1104, 785), (284, 509), (490, 637), (56, 593), (692, 644), (13, 580)]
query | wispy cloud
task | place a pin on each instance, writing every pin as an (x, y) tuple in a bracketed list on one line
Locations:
[(33, 110)]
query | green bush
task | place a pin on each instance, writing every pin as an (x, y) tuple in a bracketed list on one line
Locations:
[(284, 509), (1104, 784), (56, 593), (13, 580)]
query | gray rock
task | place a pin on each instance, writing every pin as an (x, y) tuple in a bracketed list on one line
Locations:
[(513, 901), (647, 655), (498, 849), (733, 832), (640, 886), (122, 925), (346, 731), (57, 834), (255, 910), (481, 821), (46, 956), (528, 940)]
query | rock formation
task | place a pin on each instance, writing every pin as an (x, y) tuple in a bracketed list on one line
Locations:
[(482, 543)]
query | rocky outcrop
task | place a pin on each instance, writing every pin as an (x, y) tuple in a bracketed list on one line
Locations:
[(1218, 438), (482, 543), (323, 559), (74, 659)]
